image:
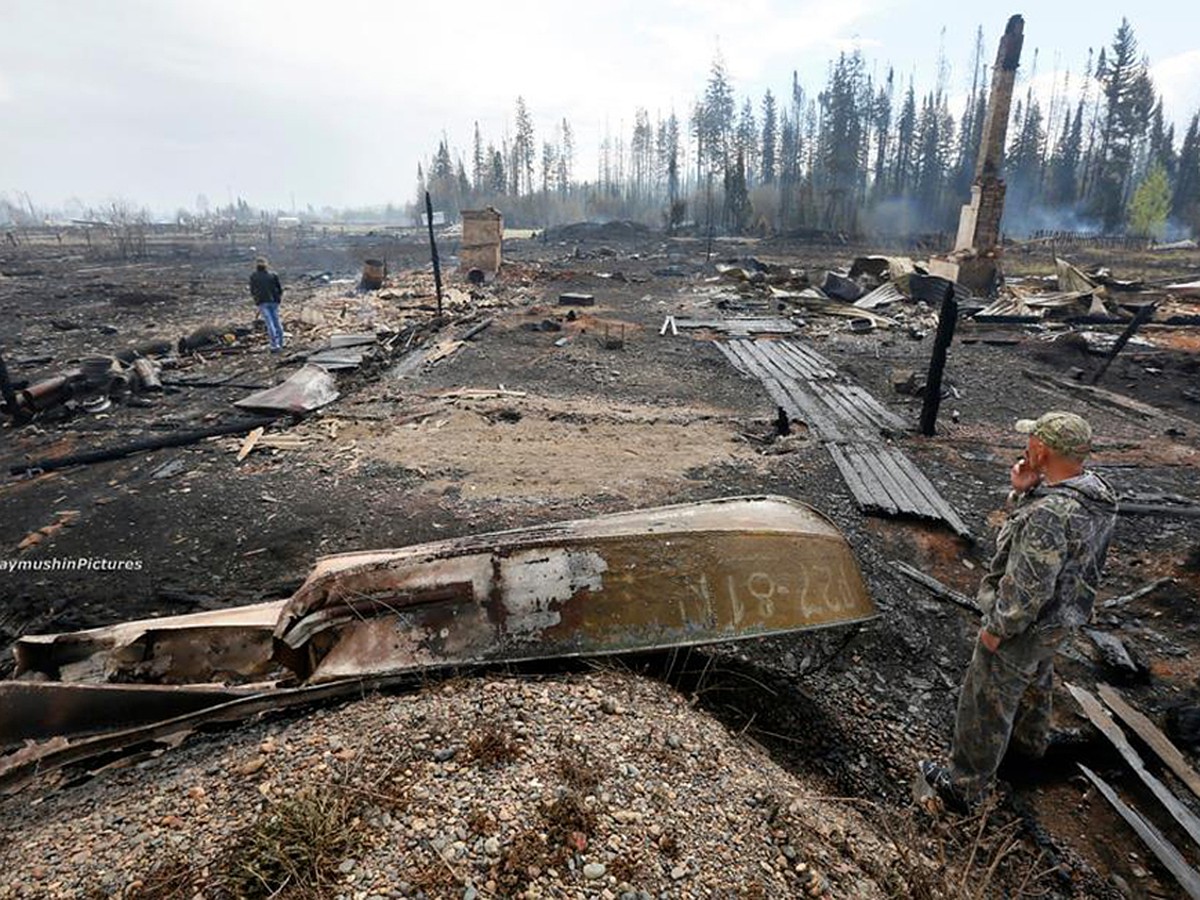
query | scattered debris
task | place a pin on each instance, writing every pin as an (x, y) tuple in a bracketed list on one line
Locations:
[(1103, 721), (1152, 737), (1114, 653), (935, 586), (1145, 590), (306, 390), (575, 298), (175, 439), (1188, 878)]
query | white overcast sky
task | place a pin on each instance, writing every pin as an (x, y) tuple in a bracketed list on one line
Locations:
[(334, 102)]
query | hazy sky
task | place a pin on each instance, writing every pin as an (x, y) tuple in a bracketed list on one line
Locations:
[(334, 102)]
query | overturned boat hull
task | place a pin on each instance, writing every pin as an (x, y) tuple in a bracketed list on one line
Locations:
[(674, 576)]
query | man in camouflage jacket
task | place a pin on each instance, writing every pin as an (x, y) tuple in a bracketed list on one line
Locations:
[(1040, 584)]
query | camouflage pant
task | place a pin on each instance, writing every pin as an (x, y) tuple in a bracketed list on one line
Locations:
[(1005, 698)]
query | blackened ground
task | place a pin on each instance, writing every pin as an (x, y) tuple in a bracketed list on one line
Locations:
[(858, 706)]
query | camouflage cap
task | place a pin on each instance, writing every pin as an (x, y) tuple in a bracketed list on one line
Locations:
[(1063, 432)]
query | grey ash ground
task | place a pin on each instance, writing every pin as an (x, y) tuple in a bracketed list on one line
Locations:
[(710, 763)]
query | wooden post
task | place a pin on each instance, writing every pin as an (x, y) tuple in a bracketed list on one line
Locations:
[(437, 266), (947, 319), (1143, 316)]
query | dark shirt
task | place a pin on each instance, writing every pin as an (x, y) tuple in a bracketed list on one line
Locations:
[(265, 286)]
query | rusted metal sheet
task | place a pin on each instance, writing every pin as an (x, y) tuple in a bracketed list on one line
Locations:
[(173, 649), (308, 389), (31, 710), (680, 575)]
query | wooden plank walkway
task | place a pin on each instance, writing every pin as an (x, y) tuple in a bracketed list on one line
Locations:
[(850, 422)]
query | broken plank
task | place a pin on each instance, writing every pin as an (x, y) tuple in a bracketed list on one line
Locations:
[(869, 459), (1103, 721), (942, 506), (1097, 395), (899, 469), (870, 493), (935, 586), (1126, 599), (1153, 737), (863, 495), (806, 356), (248, 444), (1164, 850)]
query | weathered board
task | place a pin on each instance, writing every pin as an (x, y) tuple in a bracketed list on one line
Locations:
[(850, 422), (1154, 738), (1172, 859), (1101, 719)]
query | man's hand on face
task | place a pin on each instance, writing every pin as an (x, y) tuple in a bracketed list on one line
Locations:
[(989, 640), (1023, 476)]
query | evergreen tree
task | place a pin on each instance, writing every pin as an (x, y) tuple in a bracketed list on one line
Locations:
[(464, 183), (769, 137), (737, 196), (842, 141), (714, 119), (1161, 142), (523, 150), (1185, 200), (746, 140), (566, 156), (478, 162), (1064, 165), (789, 169), (549, 166), (906, 129), (442, 166), (499, 177), (1128, 99), (930, 163), (881, 122), (1024, 160)]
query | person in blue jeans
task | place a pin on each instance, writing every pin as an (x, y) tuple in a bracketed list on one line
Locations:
[(267, 292)]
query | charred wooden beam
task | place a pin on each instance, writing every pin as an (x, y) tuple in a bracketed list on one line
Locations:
[(1143, 315), (932, 402), (433, 252), (176, 439)]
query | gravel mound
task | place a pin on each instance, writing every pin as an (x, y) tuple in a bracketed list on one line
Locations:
[(599, 785)]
